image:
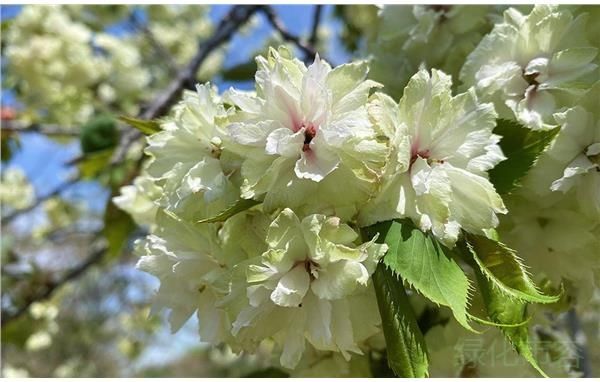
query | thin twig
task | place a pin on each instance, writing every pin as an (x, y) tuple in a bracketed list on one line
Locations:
[(47, 129), (57, 191), (46, 290), (308, 50), (238, 16), (159, 48)]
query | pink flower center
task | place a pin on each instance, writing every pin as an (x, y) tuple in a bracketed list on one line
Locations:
[(415, 153)]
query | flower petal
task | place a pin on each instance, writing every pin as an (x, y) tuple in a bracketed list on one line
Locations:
[(317, 162), (292, 287)]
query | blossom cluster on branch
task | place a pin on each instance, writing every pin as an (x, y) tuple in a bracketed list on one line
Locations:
[(297, 214)]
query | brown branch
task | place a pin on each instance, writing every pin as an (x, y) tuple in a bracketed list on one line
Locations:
[(238, 16), (308, 50), (14, 126), (45, 291)]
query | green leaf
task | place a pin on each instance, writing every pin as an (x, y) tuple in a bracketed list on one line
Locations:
[(94, 163), (235, 208), (505, 310), (241, 72), (8, 143), (146, 127), (118, 225), (521, 146), (17, 331), (425, 264), (406, 349), (504, 270)]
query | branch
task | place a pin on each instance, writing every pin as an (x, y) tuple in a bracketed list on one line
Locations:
[(46, 290), (159, 49), (238, 16), (308, 50), (47, 129), (315, 26), (57, 191), (578, 337)]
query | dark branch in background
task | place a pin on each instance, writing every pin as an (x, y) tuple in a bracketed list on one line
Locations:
[(160, 50), (238, 16), (578, 337), (307, 49), (57, 191), (47, 129), (312, 40), (46, 290)]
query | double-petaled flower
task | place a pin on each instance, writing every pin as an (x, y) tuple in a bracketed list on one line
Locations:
[(441, 148), (305, 134)]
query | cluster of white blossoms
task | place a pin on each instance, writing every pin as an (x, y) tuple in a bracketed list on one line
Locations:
[(15, 190), (406, 37), (541, 70), (50, 60), (312, 156), (255, 200), (65, 64), (532, 65)]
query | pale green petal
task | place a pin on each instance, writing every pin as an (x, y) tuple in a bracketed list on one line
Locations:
[(285, 142), (475, 202), (291, 287), (252, 134), (339, 279), (315, 164), (294, 344)]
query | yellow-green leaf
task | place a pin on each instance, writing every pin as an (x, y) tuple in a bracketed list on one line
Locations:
[(145, 126), (503, 268), (237, 207), (505, 310)]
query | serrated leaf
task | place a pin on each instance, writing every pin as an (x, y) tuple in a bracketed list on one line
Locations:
[(118, 225), (146, 127), (504, 269), (419, 259), (241, 72), (504, 310), (235, 208), (406, 349), (521, 146)]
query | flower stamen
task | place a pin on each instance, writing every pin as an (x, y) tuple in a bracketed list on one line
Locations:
[(309, 133)]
